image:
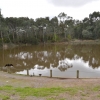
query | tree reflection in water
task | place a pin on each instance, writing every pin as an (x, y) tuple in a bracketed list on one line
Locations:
[(64, 65), (23, 57)]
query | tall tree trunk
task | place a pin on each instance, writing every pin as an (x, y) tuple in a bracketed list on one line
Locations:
[(9, 37), (2, 38)]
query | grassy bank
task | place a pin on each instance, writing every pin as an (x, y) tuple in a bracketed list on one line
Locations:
[(36, 92), (20, 87), (51, 93)]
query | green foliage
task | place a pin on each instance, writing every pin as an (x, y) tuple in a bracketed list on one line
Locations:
[(86, 34), (69, 37), (0, 40), (25, 30), (6, 40), (55, 38)]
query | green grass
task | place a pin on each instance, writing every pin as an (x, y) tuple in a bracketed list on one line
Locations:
[(73, 90), (7, 87), (54, 99), (3, 97), (50, 93), (96, 88), (98, 96), (39, 92)]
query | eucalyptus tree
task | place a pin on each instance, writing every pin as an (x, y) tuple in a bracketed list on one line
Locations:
[(63, 23), (95, 19), (78, 31), (69, 25), (0, 27), (7, 34), (11, 22), (35, 34), (64, 16), (60, 16), (86, 34), (4, 30), (96, 30), (54, 25), (65, 30), (86, 22)]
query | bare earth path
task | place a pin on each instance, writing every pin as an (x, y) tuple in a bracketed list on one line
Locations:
[(36, 82)]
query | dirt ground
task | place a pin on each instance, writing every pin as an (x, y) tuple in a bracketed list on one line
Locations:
[(36, 82), (15, 79)]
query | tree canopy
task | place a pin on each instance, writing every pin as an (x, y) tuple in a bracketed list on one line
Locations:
[(58, 28)]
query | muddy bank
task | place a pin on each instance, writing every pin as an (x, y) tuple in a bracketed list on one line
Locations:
[(21, 80)]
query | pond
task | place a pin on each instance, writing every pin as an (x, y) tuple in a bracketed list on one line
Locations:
[(63, 59)]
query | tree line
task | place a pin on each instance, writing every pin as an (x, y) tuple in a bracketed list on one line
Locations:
[(44, 30)]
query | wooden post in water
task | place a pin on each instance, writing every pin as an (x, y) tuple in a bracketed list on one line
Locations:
[(27, 72), (77, 73), (50, 73)]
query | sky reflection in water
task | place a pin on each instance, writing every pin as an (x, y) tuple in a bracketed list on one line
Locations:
[(64, 60)]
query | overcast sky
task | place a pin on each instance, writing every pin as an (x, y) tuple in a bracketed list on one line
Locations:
[(78, 9)]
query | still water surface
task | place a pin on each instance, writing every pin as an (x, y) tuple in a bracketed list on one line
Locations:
[(64, 60)]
